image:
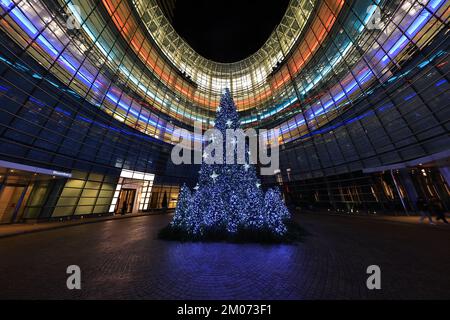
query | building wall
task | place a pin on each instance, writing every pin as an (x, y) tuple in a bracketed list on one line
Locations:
[(50, 118), (43, 124), (405, 119)]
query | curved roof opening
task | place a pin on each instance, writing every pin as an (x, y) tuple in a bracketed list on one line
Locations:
[(227, 30)]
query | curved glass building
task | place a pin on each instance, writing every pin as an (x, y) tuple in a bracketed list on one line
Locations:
[(92, 92)]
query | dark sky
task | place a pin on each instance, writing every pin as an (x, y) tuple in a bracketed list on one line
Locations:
[(227, 30)]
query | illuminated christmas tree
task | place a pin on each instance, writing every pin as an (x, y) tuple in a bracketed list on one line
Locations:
[(228, 198)]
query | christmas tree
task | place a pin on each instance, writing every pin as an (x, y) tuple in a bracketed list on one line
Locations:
[(228, 198), (182, 210)]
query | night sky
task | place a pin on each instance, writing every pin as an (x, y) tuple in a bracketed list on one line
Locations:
[(227, 30)]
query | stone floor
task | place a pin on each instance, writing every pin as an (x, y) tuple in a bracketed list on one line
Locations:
[(122, 259), (7, 230)]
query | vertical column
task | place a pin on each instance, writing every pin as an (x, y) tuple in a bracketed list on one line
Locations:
[(409, 188), (445, 172)]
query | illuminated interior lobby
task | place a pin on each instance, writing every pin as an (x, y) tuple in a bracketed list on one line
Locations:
[(91, 93)]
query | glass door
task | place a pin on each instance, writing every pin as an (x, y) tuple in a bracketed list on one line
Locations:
[(10, 202), (126, 201)]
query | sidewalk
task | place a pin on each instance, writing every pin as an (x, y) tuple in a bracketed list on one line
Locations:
[(8, 230), (413, 219)]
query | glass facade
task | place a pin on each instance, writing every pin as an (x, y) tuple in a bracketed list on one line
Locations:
[(96, 88)]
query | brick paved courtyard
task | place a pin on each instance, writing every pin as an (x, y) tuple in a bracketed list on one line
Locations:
[(122, 259)]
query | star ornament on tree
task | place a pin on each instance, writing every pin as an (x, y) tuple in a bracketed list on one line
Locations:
[(229, 123), (214, 176)]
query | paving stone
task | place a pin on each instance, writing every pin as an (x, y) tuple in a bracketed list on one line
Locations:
[(123, 259)]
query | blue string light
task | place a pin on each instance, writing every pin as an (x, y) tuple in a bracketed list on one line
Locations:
[(228, 197)]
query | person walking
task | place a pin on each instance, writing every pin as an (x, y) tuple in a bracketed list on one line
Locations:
[(424, 211), (438, 210)]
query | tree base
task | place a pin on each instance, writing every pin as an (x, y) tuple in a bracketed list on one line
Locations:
[(295, 233)]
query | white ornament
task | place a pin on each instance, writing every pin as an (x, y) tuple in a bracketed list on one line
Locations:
[(246, 167), (197, 187), (258, 185), (229, 123)]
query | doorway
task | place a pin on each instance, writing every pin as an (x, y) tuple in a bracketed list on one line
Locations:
[(126, 201), (11, 198)]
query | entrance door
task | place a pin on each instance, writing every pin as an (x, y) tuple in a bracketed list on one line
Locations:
[(126, 201), (10, 202)]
